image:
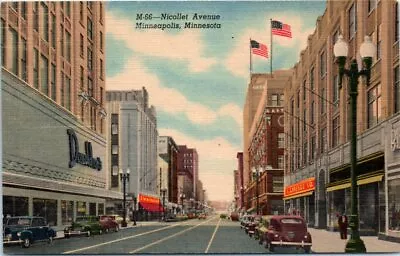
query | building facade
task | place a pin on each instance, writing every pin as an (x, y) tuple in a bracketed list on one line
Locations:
[(168, 150), (317, 121), (240, 185), (54, 149), (132, 145)]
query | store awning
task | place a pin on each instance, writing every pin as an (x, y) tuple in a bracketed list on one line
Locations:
[(151, 207), (299, 195), (364, 181)]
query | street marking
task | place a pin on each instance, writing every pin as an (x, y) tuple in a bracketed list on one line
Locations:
[(121, 239), (168, 237), (212, 237)]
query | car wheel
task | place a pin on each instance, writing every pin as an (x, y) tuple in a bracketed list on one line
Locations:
[(250, 234), (116, 228), (50, 240), (307, 249), (107, 230), (26, 243)]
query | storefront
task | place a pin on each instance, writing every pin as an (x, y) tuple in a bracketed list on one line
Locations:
[(300, 200), (150, 208), (52, 165), (371, 194)]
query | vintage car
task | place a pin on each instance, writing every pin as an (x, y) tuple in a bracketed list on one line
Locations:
[(243, 220), (26, 230), (115, 217), (234, 216), (84, 225), (108, 223), (252, 224), (287, 230), (202, 216), (247, 222), (261, 228)]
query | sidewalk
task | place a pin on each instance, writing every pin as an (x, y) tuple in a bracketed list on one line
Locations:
[(328, 242)]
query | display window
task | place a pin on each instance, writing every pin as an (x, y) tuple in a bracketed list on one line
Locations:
[(46, 208), (394, 205), (67, 209)]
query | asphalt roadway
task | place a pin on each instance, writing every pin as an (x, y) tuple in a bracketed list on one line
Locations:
[(212, 235)]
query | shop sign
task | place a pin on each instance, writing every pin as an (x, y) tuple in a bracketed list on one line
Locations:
[(148, 199), (395, 139), (84, 159), (300, 187)]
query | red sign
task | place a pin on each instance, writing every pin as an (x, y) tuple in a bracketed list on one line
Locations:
[(300, 187), (148, 199)]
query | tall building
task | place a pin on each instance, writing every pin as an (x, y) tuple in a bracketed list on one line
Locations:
[(240, 182), (52, 83), (132, 145), (188, 168), (168, 150), (266, 148), (318, 158)]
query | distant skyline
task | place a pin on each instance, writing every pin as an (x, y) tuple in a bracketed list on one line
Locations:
[(197, 78)]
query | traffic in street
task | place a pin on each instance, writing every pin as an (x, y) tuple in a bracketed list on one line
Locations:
[(210, 235)]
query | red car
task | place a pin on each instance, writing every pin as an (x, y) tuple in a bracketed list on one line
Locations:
[(286, 230), (252, 224), (107, 223)]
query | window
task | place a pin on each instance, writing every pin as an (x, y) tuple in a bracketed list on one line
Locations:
[(281, 99), (101, 96), (14, 5), (45, 22), (304, 90), (114, 149), (67, 208), (396, 80), (277, 183), (68, 8), (352, 21), (100, 209), (323, 139), (46, 208), (89, 29), (36, 68), (378, 42), (335, 91), (68, 92), (80, 209), (90, 87), (371, 5), (53, 31), (312, 149), (396, 23), (305, 152), (23, 10), (62, 40), (68, 45), (101, 41), (14, 51), (312, 79), (280, 162), (15, 206), (23, 60), (101, 69), (322, 64), (53, 82), (335, 131), (374, 105), (81, 44), (298, 100), (81, 11), (36, 16), (89, 59), (274, 100), (335, 37), (101, 13), (281, 140), (304, 119), (3, 42), (62, 89), (312, 112), (82, 78), (44, 75), (82, 111)]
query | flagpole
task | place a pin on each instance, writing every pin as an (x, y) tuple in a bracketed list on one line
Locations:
[(270, 24), (250, 64)]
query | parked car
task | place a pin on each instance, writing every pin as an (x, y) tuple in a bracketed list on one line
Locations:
[(262, 228), (243, 220), (247, 222), (202, 216), (285, 230), (84, 225), (108, 223), (252, 224), (115, 217), (234, 216), (26, 230)]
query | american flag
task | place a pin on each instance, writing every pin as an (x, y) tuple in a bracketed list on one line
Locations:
[(259, 49), (281, 29)]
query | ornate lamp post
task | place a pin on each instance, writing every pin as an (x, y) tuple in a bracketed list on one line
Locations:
[(367, 50), (163, 191), (124, 177)]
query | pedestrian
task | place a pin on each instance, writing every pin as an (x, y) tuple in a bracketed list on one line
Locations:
[(343, 223)]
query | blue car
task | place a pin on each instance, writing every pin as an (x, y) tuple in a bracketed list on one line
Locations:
[(26, 230)]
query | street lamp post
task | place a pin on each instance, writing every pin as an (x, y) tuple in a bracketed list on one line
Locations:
[(367, 50), (134, 209), (163, 191), (124, 178)]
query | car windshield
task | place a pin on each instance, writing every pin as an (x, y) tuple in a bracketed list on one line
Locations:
[(19, 222)]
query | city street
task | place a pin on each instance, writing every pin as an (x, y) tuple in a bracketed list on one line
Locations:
[(213, 235)]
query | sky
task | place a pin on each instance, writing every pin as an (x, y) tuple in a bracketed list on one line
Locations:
[(197, 77)]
